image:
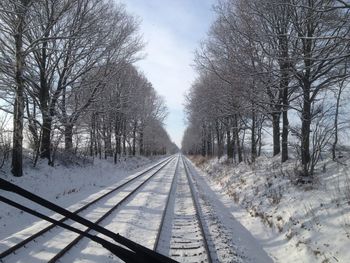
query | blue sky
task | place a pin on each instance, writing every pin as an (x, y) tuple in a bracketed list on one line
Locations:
[(172, 30)]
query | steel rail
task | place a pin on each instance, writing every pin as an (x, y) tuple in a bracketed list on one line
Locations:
[(161, 225), (198, 211), (196, 207)]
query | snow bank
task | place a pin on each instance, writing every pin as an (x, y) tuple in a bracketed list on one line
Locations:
[(294, 223)]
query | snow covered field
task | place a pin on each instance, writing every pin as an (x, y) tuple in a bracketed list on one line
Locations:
[(138, 218), (249, 214), (293, 223)]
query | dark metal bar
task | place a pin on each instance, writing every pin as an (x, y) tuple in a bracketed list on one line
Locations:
[(120, 252)]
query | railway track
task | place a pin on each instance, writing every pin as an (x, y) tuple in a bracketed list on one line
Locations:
[(182, 235), (43, 236)]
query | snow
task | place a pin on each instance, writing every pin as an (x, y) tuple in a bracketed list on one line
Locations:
[(249, 213), (71, 187), (136, 219), (233, 242), (293, 223)]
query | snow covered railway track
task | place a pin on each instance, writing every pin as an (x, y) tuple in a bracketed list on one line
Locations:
[(181, 234), (40, 237)]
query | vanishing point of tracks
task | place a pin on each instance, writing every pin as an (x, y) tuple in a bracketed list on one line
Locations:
[(181, 233)]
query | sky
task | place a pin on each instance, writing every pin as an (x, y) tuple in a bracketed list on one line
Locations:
[(172, 30)]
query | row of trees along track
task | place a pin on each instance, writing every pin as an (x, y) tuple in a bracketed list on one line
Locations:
[(143, 178), (67, 80), (262, 62)]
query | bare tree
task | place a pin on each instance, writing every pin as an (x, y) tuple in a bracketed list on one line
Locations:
[(69, 60), (14, 16), (320, 37), (268, 57)]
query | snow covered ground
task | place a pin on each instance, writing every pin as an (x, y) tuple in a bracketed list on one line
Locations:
[(70, 186), (138, 218), (251, 213), (292, 223), (229, 238)]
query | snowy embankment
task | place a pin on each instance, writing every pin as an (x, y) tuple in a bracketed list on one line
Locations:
[(293, 223), (66, 186)]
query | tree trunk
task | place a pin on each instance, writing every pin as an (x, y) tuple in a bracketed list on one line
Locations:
[(305, 132), (98, 144), (253, 136), (229, 144), (134, 139), (204, 142), (284, 64), (209, 143), (285, 103), (68, 138), (276, 133), (335, 142), (32, 126), (117, 141), (46, 110), (92, 135), (17, 150), (259, 135), (124, 138), (107, 138), (234, 148), (285, 131), (220, 140), (141, 142), (238, 143), (203, 151), (45, 146)]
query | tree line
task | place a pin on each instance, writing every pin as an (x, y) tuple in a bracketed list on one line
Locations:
[(271, 66), (69, 83)]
